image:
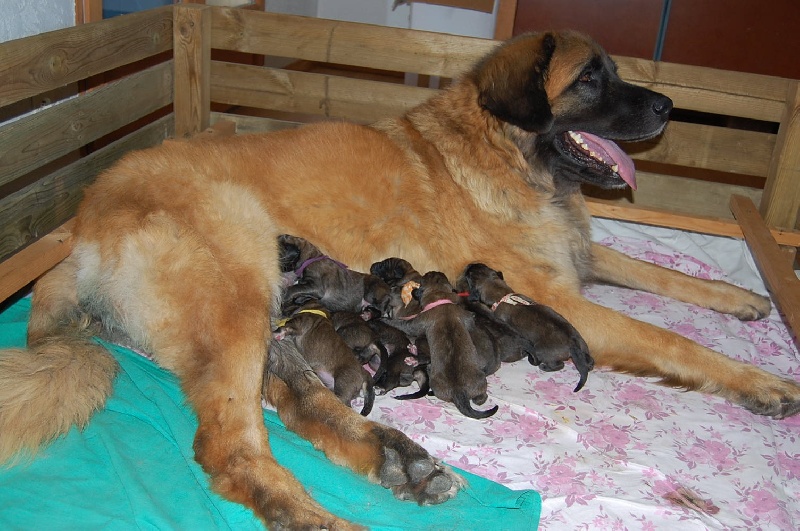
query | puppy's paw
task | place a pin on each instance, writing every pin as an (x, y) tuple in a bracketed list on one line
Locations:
[(412, 473)]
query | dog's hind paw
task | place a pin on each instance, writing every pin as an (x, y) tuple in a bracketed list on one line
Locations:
[(412, 474)]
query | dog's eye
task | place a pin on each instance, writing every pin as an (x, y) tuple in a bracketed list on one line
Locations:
[(586, 76)]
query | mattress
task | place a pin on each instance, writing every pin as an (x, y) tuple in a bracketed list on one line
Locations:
[(623, 453)]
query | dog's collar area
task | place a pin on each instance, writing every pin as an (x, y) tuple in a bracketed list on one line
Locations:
[(285, 320), (299, 271), (514, 299), (429, 306)]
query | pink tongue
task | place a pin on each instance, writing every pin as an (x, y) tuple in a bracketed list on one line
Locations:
[(612, 154)]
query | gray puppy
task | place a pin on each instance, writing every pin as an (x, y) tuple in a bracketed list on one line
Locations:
[(456, 372), (553, 338), (316, 276), (326, 352)]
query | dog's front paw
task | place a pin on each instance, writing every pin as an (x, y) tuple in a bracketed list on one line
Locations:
[(776, 397), (412, 473), (742, 304), (757, 307)]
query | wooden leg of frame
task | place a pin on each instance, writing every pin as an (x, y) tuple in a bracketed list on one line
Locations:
[(778, 273)]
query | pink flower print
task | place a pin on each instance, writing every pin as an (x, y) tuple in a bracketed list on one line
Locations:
[(560, 476), (790, 464), (533, 428), (616, 437), (761, 501), (502, 430)]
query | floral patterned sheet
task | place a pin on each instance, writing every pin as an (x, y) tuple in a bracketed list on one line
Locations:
[(625, 453)]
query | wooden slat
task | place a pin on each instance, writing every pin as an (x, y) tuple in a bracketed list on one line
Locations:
[(780, 278), (349, 43), (708, 147), (50, 60), (683, 195), (48, 202), (709, 79), (781, 199), (317, 94), (35, 260), (693, 223), (253, 124), (38, 138), (192, 76), (485, 6)]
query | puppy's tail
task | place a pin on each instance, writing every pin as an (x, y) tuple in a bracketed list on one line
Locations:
[(369, 395), (462, 402), (421, 376), (579, 352), (60, 379)]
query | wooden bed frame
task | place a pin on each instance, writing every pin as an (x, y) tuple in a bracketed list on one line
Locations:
[(102, 89)]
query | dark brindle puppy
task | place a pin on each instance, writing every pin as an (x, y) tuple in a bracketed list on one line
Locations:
[(554, 339), (176, 246), (495, 340), (402, 279), (328, 355), (362, 339), (320, 277), (404, 356), (456, 370)]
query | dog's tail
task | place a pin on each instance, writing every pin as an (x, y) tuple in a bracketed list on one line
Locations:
[(462, 402), (60, 379)]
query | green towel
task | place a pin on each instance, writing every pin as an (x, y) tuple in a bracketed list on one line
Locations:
[(133, 468)]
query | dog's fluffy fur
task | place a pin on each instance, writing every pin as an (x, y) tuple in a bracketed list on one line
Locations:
[(176, 246)]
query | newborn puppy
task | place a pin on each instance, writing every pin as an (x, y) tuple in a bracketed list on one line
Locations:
[(402, 279), (554, 339), (326, 352), (320, 277), (495, 340), (456, 370), (403, 356), (362, 340)]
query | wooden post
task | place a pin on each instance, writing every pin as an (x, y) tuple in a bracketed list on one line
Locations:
[(781, 198), (88, 11), (779, 276), (192, 42), (34, 260), (506, 15)]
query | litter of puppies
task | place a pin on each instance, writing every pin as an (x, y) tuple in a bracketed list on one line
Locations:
[(364, 333)]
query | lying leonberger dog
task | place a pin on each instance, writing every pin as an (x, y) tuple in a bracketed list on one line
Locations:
[(175, 249)]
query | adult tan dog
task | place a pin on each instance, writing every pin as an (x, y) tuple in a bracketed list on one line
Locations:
[(176, 248)]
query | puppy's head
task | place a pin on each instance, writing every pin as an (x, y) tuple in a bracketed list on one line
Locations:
[(293, 250), (393, 271), (563, 88), (476, 278)]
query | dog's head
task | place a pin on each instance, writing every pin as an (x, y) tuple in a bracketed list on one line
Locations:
[(562, 89)]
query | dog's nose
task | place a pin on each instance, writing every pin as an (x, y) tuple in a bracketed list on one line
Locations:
[(662, 106)]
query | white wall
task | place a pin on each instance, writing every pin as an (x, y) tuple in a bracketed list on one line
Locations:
[(415, 15), (21, 18)]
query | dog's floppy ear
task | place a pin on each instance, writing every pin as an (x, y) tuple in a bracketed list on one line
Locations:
[(511, 82)]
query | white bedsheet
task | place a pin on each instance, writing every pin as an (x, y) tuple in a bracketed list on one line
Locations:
[(625, 453)]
